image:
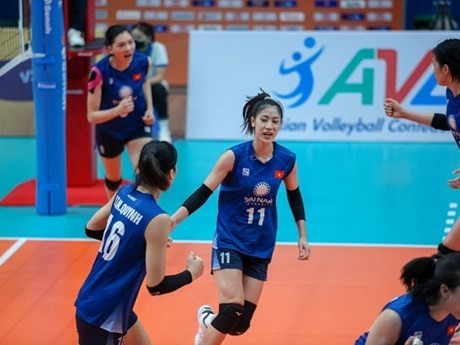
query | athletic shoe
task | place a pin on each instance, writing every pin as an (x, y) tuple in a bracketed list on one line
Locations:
[(205, 315), (75, 38)]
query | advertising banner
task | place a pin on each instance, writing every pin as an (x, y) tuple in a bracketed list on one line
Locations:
[(332, 84)]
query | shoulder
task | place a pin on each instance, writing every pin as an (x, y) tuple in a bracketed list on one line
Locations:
[(140, 57), (241, 146), (101, 65), (283, 152), (158, 229)]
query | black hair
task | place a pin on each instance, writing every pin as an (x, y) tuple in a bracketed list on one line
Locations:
[(448, 53), (156, 160), (146, 29), (424, 276), (112, 33), (254, 105)]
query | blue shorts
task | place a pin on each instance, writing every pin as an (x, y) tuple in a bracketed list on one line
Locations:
[(110, 147), (92, 335), (251, 266)]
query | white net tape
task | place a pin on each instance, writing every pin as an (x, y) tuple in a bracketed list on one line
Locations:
[(15, 46)]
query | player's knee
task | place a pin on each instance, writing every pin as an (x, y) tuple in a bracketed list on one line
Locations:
[(245, 320), (112, 185), (227, 318)]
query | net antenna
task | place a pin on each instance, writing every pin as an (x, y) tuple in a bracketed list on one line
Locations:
[(15, 46)]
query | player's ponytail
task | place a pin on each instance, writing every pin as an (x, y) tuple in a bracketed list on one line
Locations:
[(424, 276), (156, 160)]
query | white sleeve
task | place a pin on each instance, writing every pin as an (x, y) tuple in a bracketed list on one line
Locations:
[(159, 55)]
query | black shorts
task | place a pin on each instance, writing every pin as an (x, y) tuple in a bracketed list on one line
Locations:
[(92, 335), (110, 147), (251, 266)]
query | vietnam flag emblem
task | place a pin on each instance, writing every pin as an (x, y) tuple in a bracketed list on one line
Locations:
[(451, 330), (137, 77), (279, 173)]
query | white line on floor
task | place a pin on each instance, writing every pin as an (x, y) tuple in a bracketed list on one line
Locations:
[(13, 249)]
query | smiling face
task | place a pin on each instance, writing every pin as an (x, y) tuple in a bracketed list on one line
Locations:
[(266, 124), (122, 48)]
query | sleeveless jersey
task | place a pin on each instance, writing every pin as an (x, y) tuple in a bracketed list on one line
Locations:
[(416, 321), (453, 115), (247, 218), (118, 84), (108, 295)]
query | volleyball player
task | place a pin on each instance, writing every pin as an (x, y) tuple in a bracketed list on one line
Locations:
[(249, 175)]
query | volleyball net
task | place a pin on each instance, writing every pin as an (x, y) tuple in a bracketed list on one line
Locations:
[(15, 38)]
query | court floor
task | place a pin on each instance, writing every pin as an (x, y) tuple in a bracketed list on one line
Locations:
[(370, 208)]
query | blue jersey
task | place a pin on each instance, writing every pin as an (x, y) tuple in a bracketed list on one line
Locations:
[(117, 85), (416, 321), (247, 218), (107, 297), (453, 115)]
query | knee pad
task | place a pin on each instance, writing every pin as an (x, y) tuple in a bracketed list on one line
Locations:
[(112, 185), (229, 314), (244, 322)]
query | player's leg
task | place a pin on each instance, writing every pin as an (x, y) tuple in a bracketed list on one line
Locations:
[(254, 276), (252, 292), (229, 283), (112, 181), (110, 150), (137, 335), (451, 243), (134, 149), (160, 104)]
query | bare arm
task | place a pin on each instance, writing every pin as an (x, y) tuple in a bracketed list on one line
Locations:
[(395, 110), (156, 236), (386, 329), (99, 219), (148, 118)]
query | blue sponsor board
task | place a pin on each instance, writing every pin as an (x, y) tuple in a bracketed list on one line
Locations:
[(204, 3), (354, 17), (161, 28), (326, 4), (285, 3), (258, 3)]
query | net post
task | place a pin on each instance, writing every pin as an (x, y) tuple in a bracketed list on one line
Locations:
[(49, 88)]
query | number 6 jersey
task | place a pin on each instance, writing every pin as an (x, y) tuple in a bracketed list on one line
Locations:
[(107, 297)]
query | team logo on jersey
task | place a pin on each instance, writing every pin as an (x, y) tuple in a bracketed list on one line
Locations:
[(279, 173), (125, 91), (137, 76), (260, 195), (245, 172), (262, 189)]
